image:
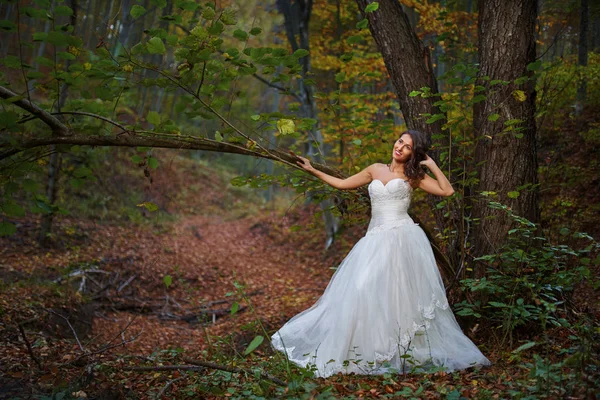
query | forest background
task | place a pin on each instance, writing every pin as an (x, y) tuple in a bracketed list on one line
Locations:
[(153, 231)]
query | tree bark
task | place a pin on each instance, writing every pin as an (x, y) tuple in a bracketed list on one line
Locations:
[(56, 157), (297, 17), (407, 61), (506, 162), (583, 55)]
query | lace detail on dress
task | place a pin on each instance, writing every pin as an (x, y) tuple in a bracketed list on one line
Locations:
[(401, 346)]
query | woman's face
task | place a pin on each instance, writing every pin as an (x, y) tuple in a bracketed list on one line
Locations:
[(403, 148)]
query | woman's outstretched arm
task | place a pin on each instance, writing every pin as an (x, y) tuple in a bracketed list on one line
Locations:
[(440, 186), (352, 182)]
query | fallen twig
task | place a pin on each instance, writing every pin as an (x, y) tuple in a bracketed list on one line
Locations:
[(70, 326), (29, 349), (212, 365), (164, 368), (167, 386)]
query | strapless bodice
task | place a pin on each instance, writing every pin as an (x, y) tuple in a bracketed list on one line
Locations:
[(389, 204)]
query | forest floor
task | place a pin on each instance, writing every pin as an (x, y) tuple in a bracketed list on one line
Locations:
[(109, 307)]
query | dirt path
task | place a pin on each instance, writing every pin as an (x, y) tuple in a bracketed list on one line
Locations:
[(204, 255)]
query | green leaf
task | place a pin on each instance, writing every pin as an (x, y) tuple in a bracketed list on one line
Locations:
[(154, 118), (362, 24), (168, 279), (355, 39), (534, 66), (7, 229), (8, 26), (40, 36), (301, 53), (44, 61), (12, 209), (63, 10), (234, 308), (43, 3), (254, 344), (137, 11), (218, 136), (372, 7), (57, 38), (255, 31), (152, 162), (156, 46), (414, 93), (65, 55), (148, 205), (240, 34), (159, 3), (255, 117), (357, 142), (82, 172), (29, 185), (340, 77), (513, 195), (525, 346), (493, 117), (12, 61), (478, 99), (435, 117)]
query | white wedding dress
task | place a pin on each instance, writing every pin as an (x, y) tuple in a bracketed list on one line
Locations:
[(385, 308)]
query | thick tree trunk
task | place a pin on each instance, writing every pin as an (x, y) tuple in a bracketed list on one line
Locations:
[(407, 61), (507, 160)]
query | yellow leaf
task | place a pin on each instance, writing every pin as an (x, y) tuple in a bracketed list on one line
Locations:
[(286, 126), (519, 95)]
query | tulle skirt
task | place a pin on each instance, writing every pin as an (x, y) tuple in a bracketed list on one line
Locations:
[(384, 310)]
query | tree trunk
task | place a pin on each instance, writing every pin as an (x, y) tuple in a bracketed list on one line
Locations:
[(583, 55), (55, 158), (407, 61), (507, 162), (297, 17)]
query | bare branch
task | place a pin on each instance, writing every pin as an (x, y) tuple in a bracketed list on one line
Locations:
[(58, 128), (212, 365), (29, 349), (165, 368), (70, 326), (87, 114), (164, 141), (167, 386)]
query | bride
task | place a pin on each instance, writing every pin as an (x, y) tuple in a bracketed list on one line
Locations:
[(385, 308)]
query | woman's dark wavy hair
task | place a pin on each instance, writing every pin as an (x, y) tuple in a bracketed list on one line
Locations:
[(413, 169)]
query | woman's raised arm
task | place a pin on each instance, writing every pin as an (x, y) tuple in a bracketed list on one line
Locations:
[(352, 182)]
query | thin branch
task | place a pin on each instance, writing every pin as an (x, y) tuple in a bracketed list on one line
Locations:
[(212, 365), (29, 349), (281, 88), (167, 386), (58, 128), (70, 326), (165, 368), (87, 114)]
